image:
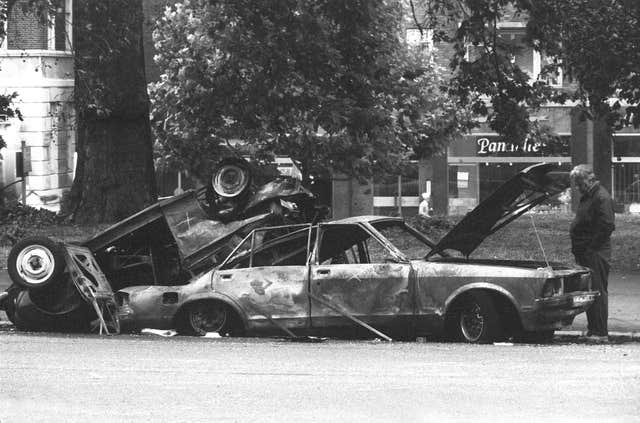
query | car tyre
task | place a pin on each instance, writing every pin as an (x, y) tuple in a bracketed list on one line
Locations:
[(35, 262), (203, 317), (476, 319)]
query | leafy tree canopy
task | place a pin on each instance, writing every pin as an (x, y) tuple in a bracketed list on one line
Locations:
[(596, 43), (329, 83)]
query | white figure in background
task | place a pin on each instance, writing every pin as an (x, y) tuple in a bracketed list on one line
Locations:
[(424, 209)]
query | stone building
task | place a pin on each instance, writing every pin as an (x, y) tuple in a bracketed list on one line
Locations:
[(37, 63)]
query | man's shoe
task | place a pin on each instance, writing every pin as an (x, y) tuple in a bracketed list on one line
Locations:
[(597, 339)]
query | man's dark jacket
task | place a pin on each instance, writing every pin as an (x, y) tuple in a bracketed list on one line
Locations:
[(591, 229)]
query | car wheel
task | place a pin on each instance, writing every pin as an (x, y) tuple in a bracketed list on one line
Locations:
[(35, 262), (204, 317), (477, 319)]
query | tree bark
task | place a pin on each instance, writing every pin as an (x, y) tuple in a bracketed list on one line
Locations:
[(114, 172)]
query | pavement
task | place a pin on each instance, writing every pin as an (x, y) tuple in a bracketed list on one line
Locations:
[(624, 307)]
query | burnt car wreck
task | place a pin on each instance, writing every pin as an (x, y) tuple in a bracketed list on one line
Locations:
[(359, 276), (70, 287)]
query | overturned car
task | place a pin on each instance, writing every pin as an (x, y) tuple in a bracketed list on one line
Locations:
[(70, 287), (376, 275)]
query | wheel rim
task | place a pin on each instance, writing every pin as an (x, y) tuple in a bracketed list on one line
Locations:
[(35, 264), (207, 318), (472, 322), (230, 181)]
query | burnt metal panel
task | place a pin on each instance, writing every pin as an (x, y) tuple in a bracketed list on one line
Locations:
[(279, 292), (379, 290)]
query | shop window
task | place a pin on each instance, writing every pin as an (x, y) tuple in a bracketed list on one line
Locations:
[(626, 183), (492, 175), (463, 185), (626, 146)]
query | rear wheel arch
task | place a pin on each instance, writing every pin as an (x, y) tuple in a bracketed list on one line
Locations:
[(505, 301), (500, 307)]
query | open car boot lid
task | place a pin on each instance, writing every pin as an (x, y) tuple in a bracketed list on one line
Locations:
[(528, 188)]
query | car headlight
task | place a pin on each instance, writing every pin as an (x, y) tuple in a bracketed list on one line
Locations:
[(122, 299), (552, 287)]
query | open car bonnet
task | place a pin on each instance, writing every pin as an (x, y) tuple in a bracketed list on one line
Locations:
[(528, 188)]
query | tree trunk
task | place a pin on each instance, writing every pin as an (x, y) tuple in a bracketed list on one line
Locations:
[(114, 172)]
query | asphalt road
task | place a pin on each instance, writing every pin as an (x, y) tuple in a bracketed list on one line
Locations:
[(86, 378)]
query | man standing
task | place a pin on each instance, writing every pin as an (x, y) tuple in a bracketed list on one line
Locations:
[(591, 245)]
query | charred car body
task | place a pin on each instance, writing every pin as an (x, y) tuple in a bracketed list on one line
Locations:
[(178, 265), (69, 287), (376, 274)]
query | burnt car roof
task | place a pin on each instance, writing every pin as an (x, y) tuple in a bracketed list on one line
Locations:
[(530, 187)]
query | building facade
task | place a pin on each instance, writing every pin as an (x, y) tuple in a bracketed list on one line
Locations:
[(36, 62), (475, 165)]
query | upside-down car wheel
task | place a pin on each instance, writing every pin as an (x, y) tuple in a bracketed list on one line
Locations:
[(35, 262)]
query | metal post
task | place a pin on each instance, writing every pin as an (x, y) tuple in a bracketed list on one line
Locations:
[(399, 195), (23, 191)]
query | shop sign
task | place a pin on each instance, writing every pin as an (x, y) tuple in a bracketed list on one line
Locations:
[(494, 147), (486, 146)]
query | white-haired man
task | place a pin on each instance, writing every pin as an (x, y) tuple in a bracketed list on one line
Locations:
[(591, 244)]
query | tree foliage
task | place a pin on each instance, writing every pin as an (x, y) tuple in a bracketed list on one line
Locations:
[(329, 83), (596, 43)]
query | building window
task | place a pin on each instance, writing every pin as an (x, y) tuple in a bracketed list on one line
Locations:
[(26, 31), (513, 41), (529, 60), (552, 75), (60, 27)]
